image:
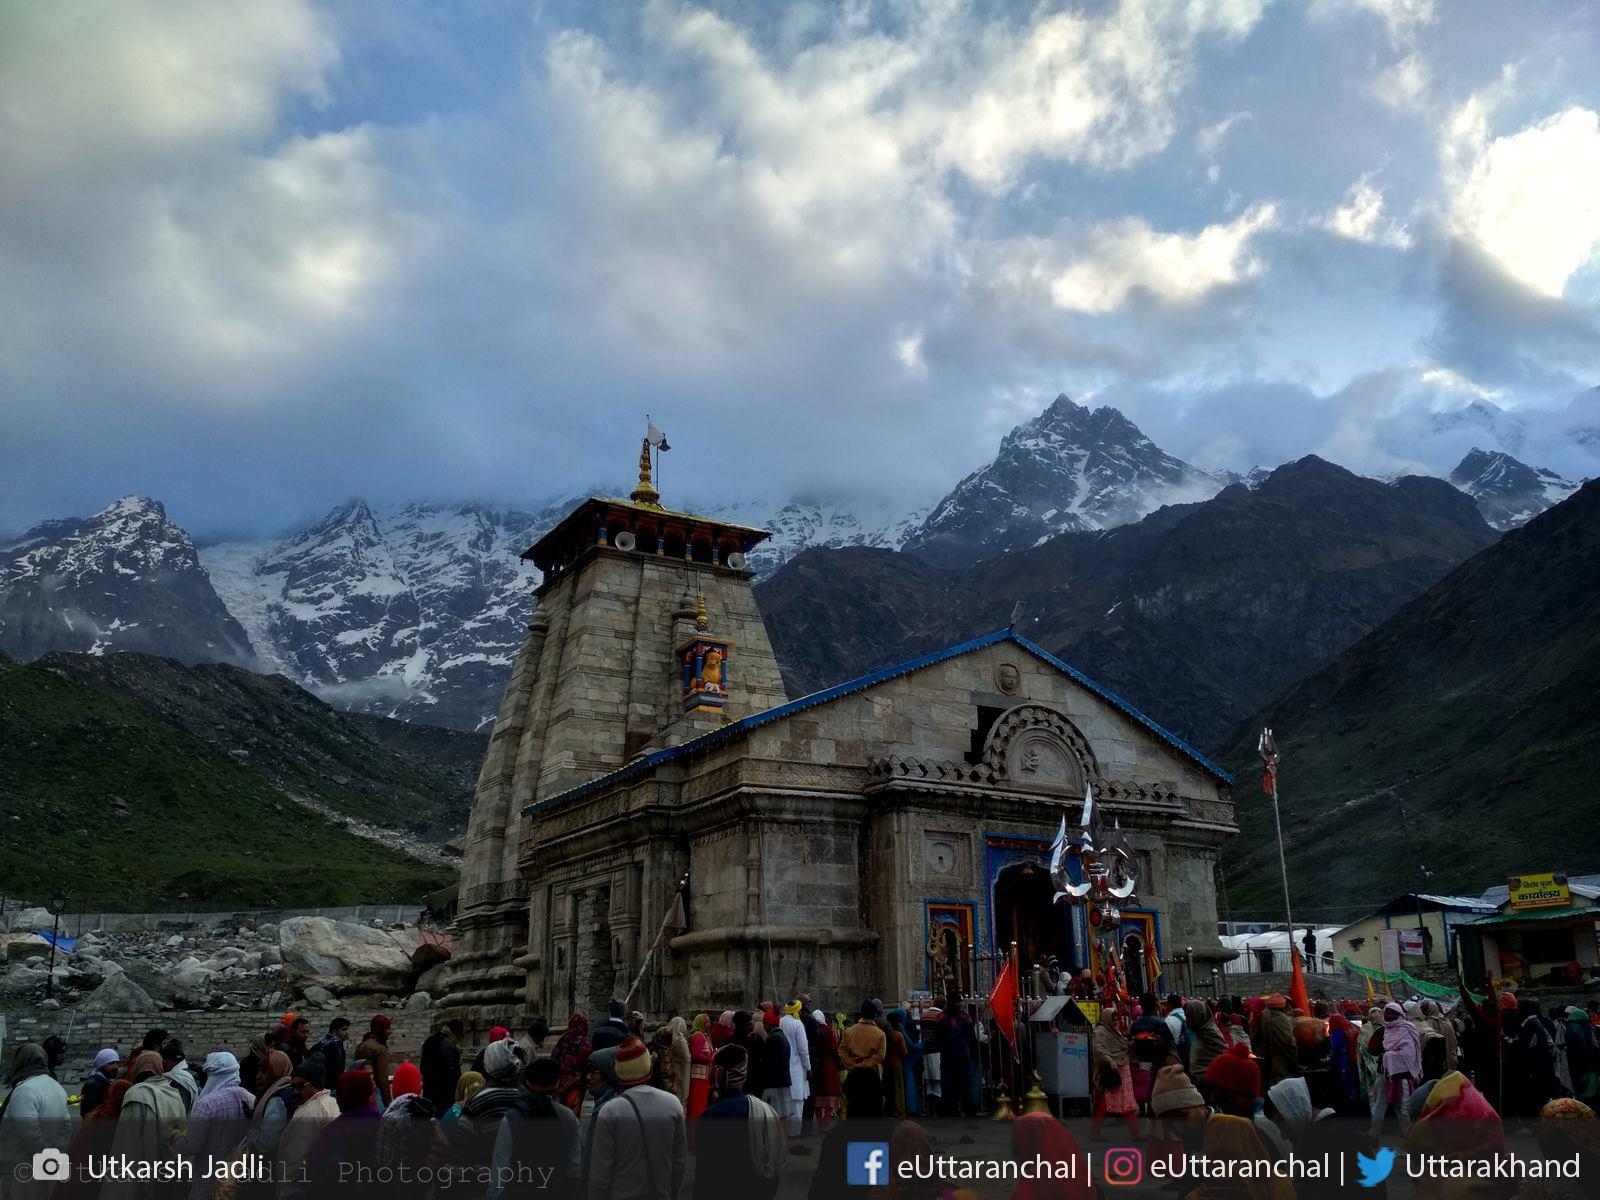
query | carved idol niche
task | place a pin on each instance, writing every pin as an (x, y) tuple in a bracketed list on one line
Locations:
[(704, 665), (1037, 748)]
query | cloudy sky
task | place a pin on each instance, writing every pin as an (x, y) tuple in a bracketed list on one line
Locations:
[(258, 257)]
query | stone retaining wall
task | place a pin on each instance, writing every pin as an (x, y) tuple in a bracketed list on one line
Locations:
[(201, 1032)]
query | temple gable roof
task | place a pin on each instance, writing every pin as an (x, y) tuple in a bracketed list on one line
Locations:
[(739, 729)]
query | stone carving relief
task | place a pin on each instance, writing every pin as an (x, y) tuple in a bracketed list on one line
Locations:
[(1008, 678), (1038, 748)]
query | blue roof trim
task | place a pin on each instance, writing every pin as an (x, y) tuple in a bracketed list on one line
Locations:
[(728, 733)]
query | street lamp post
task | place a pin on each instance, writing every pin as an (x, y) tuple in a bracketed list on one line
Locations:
[(58, 904)]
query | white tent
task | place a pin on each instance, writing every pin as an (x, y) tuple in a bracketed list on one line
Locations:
[(1264, 953)]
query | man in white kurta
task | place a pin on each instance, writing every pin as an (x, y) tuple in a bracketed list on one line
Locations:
[(794, 1033)]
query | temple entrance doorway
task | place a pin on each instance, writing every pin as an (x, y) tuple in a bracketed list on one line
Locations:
[(1025, 913)]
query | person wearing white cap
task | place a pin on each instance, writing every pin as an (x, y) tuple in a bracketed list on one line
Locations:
[(107, 1066)]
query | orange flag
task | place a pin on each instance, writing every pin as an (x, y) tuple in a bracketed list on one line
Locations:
[(1297, 984), (1003, 1002)]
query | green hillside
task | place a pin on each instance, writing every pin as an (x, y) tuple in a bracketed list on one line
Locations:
[(104, 801), (1475, 704)]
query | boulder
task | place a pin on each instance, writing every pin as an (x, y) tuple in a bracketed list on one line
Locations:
[(435, 980), (192, 986), (119, 993), (271, 956), (343, 957), (430, 954), (175, 940), (30, 919), (267, 931), (21, 946), (21, 980), (417, 1001), (321, 997)]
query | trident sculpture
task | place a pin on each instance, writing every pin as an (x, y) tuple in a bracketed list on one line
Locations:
[(1108, 881)]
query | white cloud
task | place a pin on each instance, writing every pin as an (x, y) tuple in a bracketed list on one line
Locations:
[(1403, 86), (1444, 379), (1360, 218), (1124, 256), (1531, 200), (107, 80)]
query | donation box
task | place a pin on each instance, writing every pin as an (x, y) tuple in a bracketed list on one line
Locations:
[(1061, 1044)]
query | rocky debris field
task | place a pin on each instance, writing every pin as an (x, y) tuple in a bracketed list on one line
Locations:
[(300, 962)]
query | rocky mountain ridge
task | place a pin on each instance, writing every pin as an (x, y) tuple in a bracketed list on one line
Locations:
[(1198, 613), (416, 610), (1507, 491)]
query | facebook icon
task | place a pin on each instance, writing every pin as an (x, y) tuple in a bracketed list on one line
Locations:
[(868, 1163)]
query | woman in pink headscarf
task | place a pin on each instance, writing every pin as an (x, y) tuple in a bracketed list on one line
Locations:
[(1402, 1060)]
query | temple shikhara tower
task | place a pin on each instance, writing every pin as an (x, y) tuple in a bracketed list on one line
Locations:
[(882, 836)]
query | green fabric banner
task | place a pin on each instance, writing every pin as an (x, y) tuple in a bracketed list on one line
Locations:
[(1433, 991)]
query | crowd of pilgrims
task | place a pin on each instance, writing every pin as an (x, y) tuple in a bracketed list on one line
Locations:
[(618, 1111), (1261, 1078), (614, 1112)]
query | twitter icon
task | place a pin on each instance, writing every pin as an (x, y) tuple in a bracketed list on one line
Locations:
[(1374, 1170)]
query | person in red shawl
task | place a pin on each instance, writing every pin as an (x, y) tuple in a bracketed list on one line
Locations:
[(699, 1071), (722, 1031), (827, 1088), (572, 1057), (1040, 1137)]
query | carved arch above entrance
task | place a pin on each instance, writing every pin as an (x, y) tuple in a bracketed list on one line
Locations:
[(1036, 747)]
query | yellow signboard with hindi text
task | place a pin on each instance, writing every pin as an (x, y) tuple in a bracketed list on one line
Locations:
[(1549, 890)]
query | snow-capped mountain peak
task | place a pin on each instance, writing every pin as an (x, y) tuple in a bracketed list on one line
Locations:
[(1069, 469), (1508, 492), (1486, 420), (125, 578)]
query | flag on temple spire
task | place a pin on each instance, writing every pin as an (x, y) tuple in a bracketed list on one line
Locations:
[(654, 436)]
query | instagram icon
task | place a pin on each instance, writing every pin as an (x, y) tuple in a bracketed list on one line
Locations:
[(1124, 1167)]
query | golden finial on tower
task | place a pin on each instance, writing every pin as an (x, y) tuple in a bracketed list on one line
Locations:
[(701, 621), (645, 492)]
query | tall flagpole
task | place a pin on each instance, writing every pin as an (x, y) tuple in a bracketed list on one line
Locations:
[(1269, 778)]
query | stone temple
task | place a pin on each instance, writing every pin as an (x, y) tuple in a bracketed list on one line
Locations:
[(887, 836)]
